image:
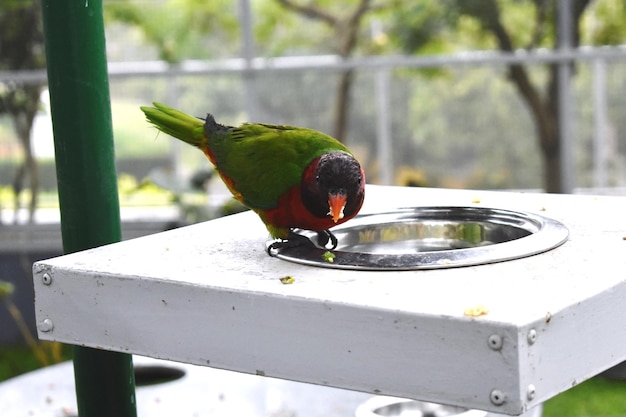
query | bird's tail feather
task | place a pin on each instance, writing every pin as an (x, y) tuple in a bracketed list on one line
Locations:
[(176, 123)]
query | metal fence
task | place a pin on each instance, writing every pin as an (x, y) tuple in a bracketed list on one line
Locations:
[(454, 121)]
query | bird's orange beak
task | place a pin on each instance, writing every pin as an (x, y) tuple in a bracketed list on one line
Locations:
[(336, 203)]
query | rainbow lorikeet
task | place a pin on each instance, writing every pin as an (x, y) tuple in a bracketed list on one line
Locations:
[(292, 177)]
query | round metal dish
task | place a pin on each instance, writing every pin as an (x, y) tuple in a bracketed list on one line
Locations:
[(381, 406), (431, 238)]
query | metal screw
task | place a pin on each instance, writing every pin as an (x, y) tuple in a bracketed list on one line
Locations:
[(495, 342), (46, 279), (532, 336), (530, 392), (497, 397), (46, 325)]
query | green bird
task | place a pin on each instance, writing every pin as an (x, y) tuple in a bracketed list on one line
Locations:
[(292, 177)]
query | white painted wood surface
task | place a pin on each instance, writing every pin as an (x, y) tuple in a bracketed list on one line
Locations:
[(209, 295), (200, 392)]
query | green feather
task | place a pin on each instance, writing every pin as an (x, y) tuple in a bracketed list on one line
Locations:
[(176, 123), (262, 160), (265, 161)]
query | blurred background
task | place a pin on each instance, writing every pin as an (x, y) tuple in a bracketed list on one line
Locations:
[(482, 94)]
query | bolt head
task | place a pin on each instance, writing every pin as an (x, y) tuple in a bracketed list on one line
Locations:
[(495, 342), (46, 279), (530, 392), (497, 397), (46, 326), (532, 336)]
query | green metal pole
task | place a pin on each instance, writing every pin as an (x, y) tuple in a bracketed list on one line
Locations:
[(87, 183)]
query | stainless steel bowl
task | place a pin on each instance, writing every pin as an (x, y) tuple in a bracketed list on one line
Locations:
[(430, 238), (381, 406)]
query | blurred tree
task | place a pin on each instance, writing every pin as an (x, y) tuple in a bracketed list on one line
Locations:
[(345, 22), (449, 25), (181, 29), (21, 48), (604, 23)]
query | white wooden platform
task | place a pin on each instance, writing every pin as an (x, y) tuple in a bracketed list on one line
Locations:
[(208, 294)]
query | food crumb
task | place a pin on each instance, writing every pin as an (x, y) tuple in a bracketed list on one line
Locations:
[(287, 280), (328, 256), (476, 200), (476, 311)]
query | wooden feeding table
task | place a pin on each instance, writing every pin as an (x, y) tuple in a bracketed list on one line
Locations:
[(500, 337)]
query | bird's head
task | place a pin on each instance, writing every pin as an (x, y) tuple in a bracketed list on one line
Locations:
[(333, 185)]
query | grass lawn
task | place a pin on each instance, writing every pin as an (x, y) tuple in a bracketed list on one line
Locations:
[(597, 397), (16, 360)]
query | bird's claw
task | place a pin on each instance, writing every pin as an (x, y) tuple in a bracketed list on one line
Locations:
[(295, 239), (326, 236)]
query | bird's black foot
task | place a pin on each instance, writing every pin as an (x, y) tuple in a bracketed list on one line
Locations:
[(295, 239), (326, 236)]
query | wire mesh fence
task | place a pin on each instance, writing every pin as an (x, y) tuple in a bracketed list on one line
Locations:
[(437, 121), (448, 125)]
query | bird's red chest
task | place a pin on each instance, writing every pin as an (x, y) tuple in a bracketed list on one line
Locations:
[(290, 212)]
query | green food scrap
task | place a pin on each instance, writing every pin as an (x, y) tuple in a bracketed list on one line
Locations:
[(328, 256), (287, 280)]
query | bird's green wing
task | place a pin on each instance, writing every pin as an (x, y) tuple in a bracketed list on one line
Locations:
[(264, 161)]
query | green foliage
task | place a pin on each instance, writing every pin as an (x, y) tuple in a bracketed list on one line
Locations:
[(605, 23), (598, 397), (422, 27), (16, 360), (441, 26), (181, 29), (279, 32)]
